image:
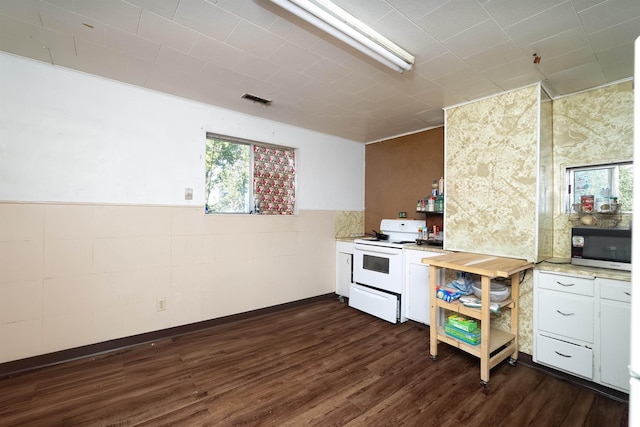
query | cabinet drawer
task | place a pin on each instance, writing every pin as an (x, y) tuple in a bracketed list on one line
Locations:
[(616, 290), (565, 314), (573, 284), (565, 356)]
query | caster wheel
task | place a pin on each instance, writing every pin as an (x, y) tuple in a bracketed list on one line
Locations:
[(341, 298), (434, 358), (484, 384), (513, 361)]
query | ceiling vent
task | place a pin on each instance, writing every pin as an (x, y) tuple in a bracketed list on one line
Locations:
[(257, 99)]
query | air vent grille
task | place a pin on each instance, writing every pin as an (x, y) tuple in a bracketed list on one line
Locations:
[(256, 98)]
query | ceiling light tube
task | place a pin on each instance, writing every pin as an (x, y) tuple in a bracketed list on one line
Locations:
[(346, 28)]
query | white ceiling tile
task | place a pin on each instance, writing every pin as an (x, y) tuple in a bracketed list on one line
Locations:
[(476, 39), (206, 18), (558, 44), (614, 71), (25, 47), (260, 16), (172, 34), (608, 14), (330, 47), (575, 79), (62, 20), (546, 24), (519, 67), (496, 55), (368, 12), (164, 8), (248, 84), (416, 9), (253, 39), (296, 31), (285, 77), (453, 80), (65, 4), (568, 60), (100, 60), (615, 36), (255, 67), (139, 70), (585, 4), (623, 53), (130, 43), (115, 13), (441, 27), (215, 51), (441, 66), (410, 36), (173, 59), (294, 57), (326, 71), (217, 75), (476, 89), (24, 10), (509, 12)]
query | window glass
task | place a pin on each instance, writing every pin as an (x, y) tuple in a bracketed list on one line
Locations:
[(607, 184), (248, 177)]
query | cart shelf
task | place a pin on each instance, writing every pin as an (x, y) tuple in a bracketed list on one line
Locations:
[(495, 345)]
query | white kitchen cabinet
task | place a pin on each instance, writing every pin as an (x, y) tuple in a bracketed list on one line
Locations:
[(344, 267), (417, 285), (564, 322), (582, 326), (615, 332)]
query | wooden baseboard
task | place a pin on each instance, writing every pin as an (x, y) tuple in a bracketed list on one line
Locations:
[(40, 361), (527, 360)]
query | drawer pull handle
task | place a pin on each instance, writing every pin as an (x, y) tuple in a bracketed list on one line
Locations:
[(565, 314), (628, 294), (565, 284), (560, 354)]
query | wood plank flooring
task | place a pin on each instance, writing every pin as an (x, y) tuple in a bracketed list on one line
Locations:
[(321, 364)]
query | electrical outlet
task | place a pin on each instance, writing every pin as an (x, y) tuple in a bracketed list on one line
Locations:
[(161, 304), (188, 193)]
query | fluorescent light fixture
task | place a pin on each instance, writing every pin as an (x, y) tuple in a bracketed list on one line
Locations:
[(345, 27)]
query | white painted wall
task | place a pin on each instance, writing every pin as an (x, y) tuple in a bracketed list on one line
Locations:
[(66, 136)]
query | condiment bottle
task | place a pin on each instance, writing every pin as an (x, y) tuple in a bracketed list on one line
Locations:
[(434, 188)]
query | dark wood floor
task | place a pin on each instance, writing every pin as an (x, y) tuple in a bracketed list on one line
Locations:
[(322, 364)]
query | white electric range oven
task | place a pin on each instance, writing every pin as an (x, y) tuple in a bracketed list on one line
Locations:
[(378, 270)]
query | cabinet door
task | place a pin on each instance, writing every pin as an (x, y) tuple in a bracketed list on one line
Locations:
[(417, 290), (615, 337), (344, 271)]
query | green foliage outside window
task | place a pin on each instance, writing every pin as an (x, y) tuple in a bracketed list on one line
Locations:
[(228, 176)]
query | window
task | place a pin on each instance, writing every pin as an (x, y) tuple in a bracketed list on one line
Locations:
[(604, 182), (248, 177)]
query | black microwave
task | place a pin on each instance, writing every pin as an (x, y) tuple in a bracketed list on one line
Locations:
[(601, 247)]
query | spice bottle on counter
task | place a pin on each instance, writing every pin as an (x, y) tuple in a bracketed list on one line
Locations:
[(441, 186), (434, 188)]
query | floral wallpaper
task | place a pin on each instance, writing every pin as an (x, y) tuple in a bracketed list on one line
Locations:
[(274, 179)]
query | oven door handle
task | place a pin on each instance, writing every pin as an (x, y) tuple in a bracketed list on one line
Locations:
[(378, 250)]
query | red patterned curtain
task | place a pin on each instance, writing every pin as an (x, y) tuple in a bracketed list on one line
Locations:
[(274, 179)]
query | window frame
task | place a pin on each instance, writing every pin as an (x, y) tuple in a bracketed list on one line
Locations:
[(569, 180), (252, 190)]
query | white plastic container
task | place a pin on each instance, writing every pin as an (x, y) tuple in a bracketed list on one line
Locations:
[(499, 292)]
